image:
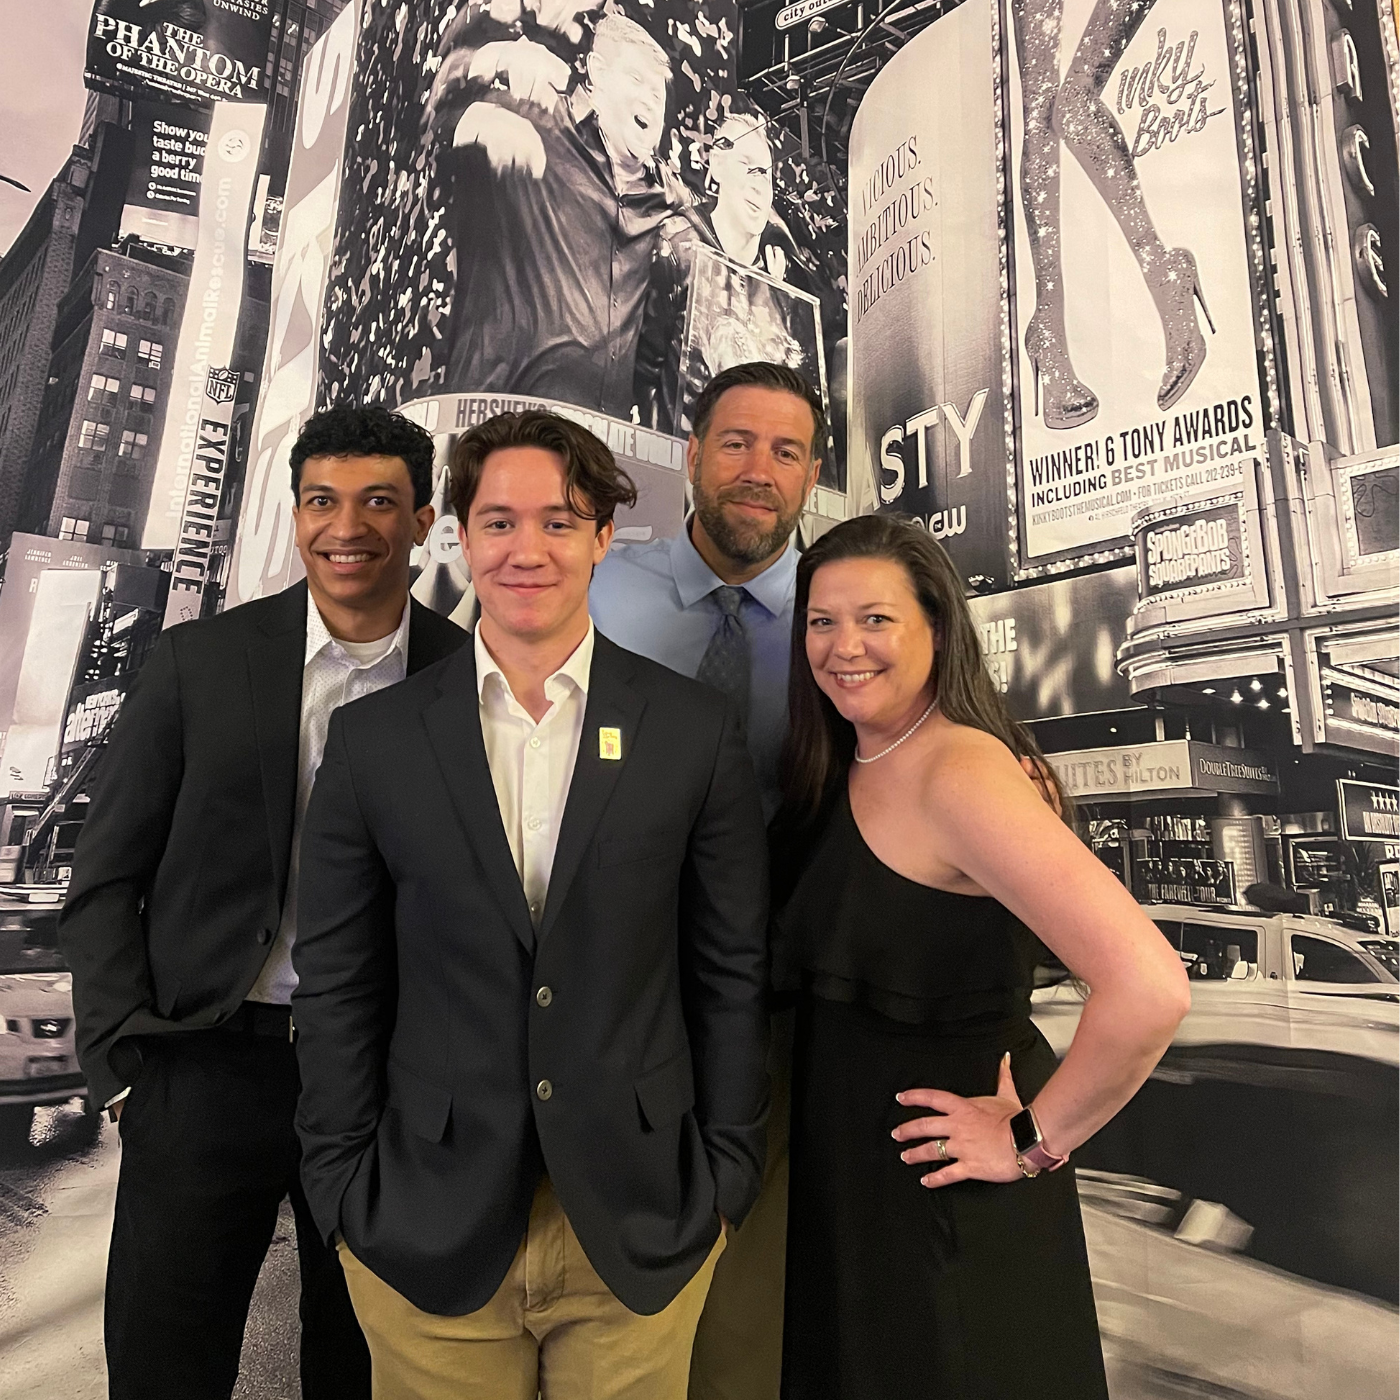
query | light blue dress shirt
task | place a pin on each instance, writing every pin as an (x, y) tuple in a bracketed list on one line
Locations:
[(656, 599)]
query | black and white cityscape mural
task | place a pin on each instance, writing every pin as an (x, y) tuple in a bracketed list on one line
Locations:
[(1103, 294)]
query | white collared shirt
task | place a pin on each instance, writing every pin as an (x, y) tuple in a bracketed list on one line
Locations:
[(333, 673), (532, 764)]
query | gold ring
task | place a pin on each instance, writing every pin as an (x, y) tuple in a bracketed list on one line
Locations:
[(941, 1145)]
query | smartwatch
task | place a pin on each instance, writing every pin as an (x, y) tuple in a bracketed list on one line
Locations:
[(1031, 1154)]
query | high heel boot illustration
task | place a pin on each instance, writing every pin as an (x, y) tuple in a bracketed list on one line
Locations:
[(1066, 403), (1176, 287)]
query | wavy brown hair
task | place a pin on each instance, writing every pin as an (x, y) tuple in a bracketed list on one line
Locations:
[(820, 743), (594, 485)]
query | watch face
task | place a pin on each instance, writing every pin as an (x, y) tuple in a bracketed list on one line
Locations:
[(1023, 1131)]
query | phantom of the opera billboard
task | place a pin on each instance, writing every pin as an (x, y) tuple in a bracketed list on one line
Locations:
[(184, 51), (1101, 295)]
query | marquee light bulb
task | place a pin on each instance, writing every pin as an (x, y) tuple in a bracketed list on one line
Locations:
[(1283, 692), (1262, 703), (1256, 685), (1236, 698), (1207, 690)]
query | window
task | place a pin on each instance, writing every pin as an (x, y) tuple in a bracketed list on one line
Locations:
[(103, 389), (113, 345), (113, 292), (132, 445), (130, 305), (1320, 960), (167, 310), (1171, 931), (114, 534), (148, 307), (1386, 952), (93, 435), (1219, 953), (142, 397), (71, 529), (149, 353)]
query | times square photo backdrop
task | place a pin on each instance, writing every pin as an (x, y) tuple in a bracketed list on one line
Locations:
[(1102, 295)]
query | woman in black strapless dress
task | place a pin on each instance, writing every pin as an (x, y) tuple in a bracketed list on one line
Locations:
[(899, 1288), (893, 1289)]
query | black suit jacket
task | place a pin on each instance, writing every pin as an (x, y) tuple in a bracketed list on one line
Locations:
[(181, 867), (427, 1035)]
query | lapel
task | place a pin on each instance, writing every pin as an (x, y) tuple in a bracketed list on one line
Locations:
[(453, 722), (612, 703), (276, 660), (430, 637)]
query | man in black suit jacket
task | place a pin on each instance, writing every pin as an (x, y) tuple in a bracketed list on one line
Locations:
[(531, 973), (179, 920)]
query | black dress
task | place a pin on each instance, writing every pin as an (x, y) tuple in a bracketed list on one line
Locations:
[(977, 1291)]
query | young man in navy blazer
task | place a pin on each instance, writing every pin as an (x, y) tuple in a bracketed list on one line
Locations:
[(532, 962), (180, 919)]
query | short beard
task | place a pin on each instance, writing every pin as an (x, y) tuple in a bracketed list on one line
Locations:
[(742, 544)]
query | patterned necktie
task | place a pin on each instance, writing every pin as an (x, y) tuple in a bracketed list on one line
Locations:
[(725, 664)]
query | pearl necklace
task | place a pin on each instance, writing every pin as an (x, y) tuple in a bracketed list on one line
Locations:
[(901, 738)]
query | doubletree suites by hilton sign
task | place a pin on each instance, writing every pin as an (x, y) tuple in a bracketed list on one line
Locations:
[(1175, 766)]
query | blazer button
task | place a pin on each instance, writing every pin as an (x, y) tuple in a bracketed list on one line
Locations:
[(544, 1091), (264, 936), (544, 996)]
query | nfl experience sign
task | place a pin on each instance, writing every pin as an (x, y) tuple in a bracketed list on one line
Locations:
[(210, 320), (189, 574), (1133, 206), (173, 51)]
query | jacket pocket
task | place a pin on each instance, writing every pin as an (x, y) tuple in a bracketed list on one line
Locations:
[(666, 1092), (425, 1107)]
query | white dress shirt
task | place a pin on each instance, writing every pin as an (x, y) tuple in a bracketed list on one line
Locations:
[(532, 764), (333, 673)]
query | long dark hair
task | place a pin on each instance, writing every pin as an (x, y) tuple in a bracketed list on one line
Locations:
[(820, 744)]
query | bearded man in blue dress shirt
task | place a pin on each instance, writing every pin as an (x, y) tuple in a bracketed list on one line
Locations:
[(715, 602)]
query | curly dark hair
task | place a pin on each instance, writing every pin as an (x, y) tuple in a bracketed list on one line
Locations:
[(594, 485), (354, 430), (766, 376)]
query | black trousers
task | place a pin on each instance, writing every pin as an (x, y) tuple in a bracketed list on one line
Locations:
[(208, 1155)]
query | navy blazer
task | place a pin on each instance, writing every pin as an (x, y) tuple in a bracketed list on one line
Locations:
[(181, 866), (451, 1053)]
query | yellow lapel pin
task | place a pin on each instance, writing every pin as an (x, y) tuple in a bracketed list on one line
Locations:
[(610, 743)]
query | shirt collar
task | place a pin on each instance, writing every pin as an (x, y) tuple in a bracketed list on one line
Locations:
[(318, 636), (774, 588), (575, 669)]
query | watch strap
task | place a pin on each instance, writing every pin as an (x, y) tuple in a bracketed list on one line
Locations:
[(1032, 1157), (1042, 1160)]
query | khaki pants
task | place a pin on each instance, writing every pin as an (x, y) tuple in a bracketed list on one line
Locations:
[(739, 1345), (553, 1329)]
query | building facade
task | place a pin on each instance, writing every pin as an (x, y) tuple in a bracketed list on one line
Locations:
[(108, 384), (34, 275)]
